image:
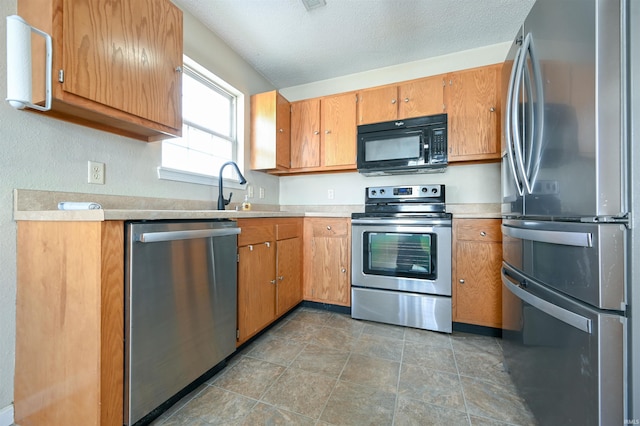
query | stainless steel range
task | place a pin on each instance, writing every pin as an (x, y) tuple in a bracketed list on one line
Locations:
[(401, 258)]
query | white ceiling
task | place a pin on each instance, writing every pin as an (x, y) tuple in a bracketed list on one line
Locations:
[(291, 46)]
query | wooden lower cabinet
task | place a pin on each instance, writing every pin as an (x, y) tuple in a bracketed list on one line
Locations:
[(69, 323), (327, 260), (269, 272), (476, 261)]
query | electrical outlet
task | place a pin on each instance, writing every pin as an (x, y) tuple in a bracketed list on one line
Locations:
[(261, 192), (330, 194), (250, 191), (96, 173)]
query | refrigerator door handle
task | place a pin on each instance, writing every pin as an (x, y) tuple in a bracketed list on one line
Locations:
[(561, 314), (538, 120), (515, 119), (509, 130), (578, 239)]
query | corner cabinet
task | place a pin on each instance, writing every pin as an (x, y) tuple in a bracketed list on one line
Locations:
[(472, 99), (269, 272), (69, 323), (270, 132), (477, 258), (116, 65), (327, 260)]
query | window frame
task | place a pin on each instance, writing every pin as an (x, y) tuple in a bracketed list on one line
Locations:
[(200, 73)]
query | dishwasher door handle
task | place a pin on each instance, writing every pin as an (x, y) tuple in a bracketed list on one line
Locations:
[(155, 237)]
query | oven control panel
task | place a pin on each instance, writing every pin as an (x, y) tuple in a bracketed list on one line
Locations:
[(417, 193)]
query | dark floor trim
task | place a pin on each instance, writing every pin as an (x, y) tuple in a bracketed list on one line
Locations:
[(477, 329), (327, 307)]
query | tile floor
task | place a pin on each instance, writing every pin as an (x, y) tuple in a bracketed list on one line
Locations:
[(322, 368)]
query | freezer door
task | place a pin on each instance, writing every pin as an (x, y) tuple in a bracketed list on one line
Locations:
[(567, 116), (581, 260), (567, 360)]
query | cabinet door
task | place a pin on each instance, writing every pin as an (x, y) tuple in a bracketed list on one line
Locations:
[(270, 131), (338, 118), (124, 55), (305, 133), (421, 97), (327, 261), (289, 274), (476, 281), (473, 107), (378, 105), (256, 288)]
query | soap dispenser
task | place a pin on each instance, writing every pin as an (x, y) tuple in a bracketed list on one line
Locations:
[(246, 205)]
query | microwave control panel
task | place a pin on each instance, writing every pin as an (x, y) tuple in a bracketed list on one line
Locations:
[(439, 145)]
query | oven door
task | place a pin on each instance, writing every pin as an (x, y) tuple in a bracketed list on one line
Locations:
[(404, 254)]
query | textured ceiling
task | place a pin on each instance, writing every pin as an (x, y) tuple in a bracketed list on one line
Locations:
[(291, 46)]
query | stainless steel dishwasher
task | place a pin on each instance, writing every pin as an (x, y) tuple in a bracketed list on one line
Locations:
[(180, 307)]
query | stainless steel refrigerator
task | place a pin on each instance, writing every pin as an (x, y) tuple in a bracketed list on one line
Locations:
[(570, 185)]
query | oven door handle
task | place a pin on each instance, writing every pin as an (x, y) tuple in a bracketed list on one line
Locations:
[(561, 314), (401, 221)]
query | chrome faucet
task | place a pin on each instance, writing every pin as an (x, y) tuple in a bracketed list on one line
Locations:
[(222, 202)]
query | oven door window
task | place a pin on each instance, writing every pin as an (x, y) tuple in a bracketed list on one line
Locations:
[(400, 254)]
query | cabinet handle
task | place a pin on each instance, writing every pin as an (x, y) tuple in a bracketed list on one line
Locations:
[(326, 132), (250, 248), (492, 109), (393, 101), (461, 281), (281, 130), (406, 99), (273, 281), (268, 244), (316, 132), (483, 234), (328, 227), (178, 69), (281, 278), (343, 270)]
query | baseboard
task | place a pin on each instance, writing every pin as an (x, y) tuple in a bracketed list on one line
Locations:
[(6, 416)]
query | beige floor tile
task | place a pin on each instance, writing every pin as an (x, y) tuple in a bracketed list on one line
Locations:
[(483, 365), (419, 413), (263, 414), (276, 350), (301, 392), (295, 330), (334, 338), (380, 347), (384, 330), (433, 338), (250, 377), (321, 360), (345, 322), (213, 406), (310, 316), (353, 404), (425, 355), (373, 372), (431, 386), (485, 399), (475, 343)]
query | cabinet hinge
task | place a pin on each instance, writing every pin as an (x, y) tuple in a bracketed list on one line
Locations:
[(237, 257), (60, 76), (237, 334)]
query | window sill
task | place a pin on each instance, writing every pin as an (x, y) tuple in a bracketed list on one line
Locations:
[(182, 176)]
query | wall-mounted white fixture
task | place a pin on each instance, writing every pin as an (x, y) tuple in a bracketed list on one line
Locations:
[(19, 91), (313, 4)]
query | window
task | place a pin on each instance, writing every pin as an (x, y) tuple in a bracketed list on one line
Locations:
[(209, 130)]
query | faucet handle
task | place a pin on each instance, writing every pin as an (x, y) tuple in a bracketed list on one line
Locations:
[(226, 202)]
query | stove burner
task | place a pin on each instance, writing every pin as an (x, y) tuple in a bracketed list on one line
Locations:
[(398, 201)]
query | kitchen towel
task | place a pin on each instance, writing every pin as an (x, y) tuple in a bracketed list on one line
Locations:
[(76, 205)]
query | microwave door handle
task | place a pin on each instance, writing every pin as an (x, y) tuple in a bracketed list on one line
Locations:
[(561, 314), (509, 130)]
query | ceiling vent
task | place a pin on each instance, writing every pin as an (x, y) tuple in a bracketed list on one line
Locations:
[(313, 4)]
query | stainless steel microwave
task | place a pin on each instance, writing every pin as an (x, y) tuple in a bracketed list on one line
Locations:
[(414, 145)]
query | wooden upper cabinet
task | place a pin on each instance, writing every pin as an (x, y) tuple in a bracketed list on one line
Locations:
[(323, 133), (473, 106), (305, 133), (339, 131), (270, 131), (116, 65), (415, 98), (421, 97), (378, 104)]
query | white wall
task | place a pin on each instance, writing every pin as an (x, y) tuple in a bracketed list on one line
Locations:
[(464, 183), (46, 154)]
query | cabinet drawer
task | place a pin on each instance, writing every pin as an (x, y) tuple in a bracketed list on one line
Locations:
[(478, 229), (330, 227), (290, 229), (256, 234)]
